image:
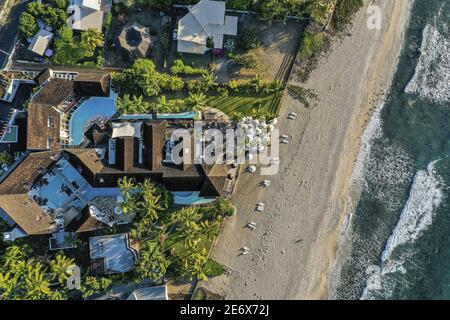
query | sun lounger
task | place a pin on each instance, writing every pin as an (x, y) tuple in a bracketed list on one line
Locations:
[(284, 141), (266, 183), (275, 161), (260, 206)]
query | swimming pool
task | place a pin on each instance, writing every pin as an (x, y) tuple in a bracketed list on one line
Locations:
[(182, 115), (190, 198), (149, 116), (89, 110)]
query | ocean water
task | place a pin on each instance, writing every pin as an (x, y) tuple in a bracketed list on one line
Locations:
[(396, 242)]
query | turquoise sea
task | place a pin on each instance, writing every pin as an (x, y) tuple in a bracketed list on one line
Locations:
[(396, 243)]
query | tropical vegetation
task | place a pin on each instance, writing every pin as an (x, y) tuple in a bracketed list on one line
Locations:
[(25, 276), (172, 242)]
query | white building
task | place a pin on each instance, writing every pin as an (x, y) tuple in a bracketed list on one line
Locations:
[(205, 20), (40, 42), (85, 14)]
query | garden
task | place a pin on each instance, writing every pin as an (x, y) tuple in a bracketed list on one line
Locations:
[(143, 90), (173, 243), (69, 47)]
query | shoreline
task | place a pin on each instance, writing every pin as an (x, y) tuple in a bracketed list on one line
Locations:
[(391, 50), (295, 244)]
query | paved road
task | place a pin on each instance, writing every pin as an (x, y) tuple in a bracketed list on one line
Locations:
[(9, 31)]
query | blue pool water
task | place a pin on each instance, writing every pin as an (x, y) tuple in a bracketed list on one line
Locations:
[(89, 110), (190, 198), (183, 115), (148, 116)]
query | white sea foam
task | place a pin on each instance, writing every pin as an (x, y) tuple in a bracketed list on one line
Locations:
[(417, 215), (372, 132), (425, 197), (388, 171), (432, 76)]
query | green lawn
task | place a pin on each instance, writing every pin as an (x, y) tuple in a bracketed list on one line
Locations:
[(245, 103)]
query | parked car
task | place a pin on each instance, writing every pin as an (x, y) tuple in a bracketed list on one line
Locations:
[(175, 34)]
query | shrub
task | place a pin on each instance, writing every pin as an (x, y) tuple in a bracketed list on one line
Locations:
[(61, 4), (213, 268), (345, 9), (239, 4), (249, 39), (180, 68), (94, 285), (27, 25), (226, 208), (248, 60), (108, 20), (310, 44), (196, 86)]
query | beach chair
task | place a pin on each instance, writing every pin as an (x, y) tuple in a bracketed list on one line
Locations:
[(266, 183), (260, 206), (244, 250), (275, 161), (284, 141), (284, 136)]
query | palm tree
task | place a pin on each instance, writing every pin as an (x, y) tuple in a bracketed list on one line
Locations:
[(125, 105), (257, 82), (127, 187), (5, 158), (163, 105), (128, 190), (197, 101), (210, 229), (8, 283), (237, 116), (191, 233), (185, 215), (92, 39), (15, 258), (60, 267), (193, 265), (152, 263), (36, 284), (259, 112), (209, 79)]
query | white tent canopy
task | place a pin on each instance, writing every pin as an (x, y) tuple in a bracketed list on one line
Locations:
[(126, 129)]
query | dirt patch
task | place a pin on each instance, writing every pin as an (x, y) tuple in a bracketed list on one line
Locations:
[(279, 45), (150, 18)]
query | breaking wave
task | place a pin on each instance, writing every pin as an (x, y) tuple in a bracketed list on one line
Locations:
[(417, 215), (432, 75)]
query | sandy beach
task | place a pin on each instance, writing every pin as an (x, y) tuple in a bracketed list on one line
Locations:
[(294, 246)]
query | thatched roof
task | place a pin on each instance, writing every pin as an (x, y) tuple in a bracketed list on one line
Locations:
[(135, 40)]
